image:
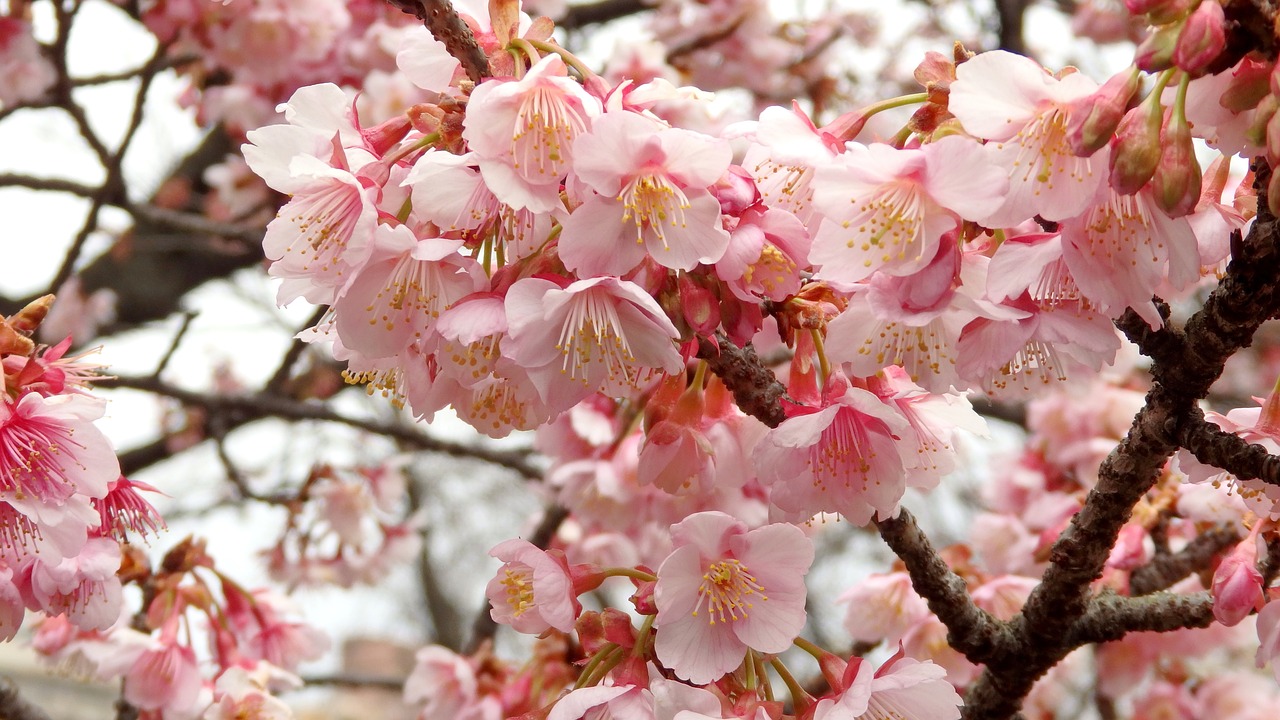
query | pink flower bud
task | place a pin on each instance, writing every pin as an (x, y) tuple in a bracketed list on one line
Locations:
[(736, 191), (1177, 179), (1237, 584), (1094, 119), (1202, 39), (1155, 54), (384, 136), (1137, 147)]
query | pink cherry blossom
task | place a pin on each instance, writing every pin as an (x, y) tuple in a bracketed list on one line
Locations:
[(396, 297), (1122, 247), (725, 589), (533, 591), (598, 335), (1013, 102), (1269, 637), (1237, 584), (651, 197), (164, 677), (844, 457), (85, 587), (882, 607), (50, 450), (902, 689), (885, 209), (25, 73), (523, 132)]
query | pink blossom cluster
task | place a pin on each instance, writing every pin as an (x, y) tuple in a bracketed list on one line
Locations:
[(64, 507), (254, 639), (345, 527), (725, 602)]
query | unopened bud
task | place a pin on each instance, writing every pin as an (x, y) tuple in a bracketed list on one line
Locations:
[(1237, 584), (1176, 183), (1256, 133), (736, 190), (1273, 195), (1137, 147), (1202, 39), (29, 317), (425, 117), (1155, 54), (384, 136), (1093, 119)]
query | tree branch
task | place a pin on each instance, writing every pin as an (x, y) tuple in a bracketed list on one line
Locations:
[(13, 707), (1214, 446), (1165, 570), (241, 409), (447, 27)]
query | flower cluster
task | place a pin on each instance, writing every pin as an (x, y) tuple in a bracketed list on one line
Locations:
[(64, 507)]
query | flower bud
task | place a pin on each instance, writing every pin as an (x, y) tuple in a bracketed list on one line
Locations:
[(1237, 584), (1155, 54), (1093, 119), (736, 190), (1176, 183), (384, 136), (1137, 147), (1202, 39)]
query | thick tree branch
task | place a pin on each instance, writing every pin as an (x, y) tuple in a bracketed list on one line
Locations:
[(1111, 617), (754, 386), (447, 27), (1214, 446), (970, 629)]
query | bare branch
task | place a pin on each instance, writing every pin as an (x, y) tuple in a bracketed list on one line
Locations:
[(14, 707), (1166, 570)]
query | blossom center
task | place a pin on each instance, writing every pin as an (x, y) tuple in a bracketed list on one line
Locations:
[(519, 588), (890, 219), (652, 201), (842, 452), (727, 591), (545, 128), (593, 336)]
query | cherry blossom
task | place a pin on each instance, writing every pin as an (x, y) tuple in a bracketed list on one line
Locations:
[(726, 589), (651, 197), (1024, 111), (523, 132), (598, 335)]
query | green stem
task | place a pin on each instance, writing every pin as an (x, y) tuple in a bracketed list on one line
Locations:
[(593, 664), (824, 365), (799, 698), (629, 572), (569, 58)]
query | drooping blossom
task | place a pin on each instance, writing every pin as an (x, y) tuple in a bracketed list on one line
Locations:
[(50, 450), (651, 196), (725, 589), (534, 590), (394, 299), (900, 689), (597, 335), (1013, 102), (885, 209), (844, 457), (523, 132)]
